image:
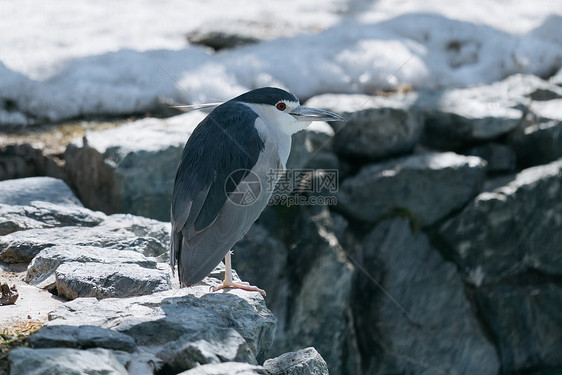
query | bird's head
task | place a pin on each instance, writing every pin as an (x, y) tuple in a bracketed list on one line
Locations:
[(282, 109)]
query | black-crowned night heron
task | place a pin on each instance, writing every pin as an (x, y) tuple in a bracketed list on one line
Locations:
[(223, 181)]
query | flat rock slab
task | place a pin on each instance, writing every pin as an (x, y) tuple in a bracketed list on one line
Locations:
[(420, 321), (121, 233), (182, 327), (102, 280), (39, 214), (23, 191), (426, 187), (376, 127), (511, 229), (81, 337), (65, 361), (41, 270), (303, 362)]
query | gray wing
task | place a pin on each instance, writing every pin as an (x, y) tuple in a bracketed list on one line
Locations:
[(225, 141), (202, 250)]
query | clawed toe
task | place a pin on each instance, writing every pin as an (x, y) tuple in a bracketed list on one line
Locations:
[(239, 285)]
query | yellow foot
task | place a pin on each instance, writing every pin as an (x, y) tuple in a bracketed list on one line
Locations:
[(239, 285)]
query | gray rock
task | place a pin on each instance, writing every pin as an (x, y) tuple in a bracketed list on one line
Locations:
[(102, 280), (15, 162), (64, 361), (174, 324), (303, 362), (41, 270), (149, 237), (28, 158), (499, 158), (23, 191), (539, 139), (81, 337), (319, 290), (376, 127), (139, 226), (249, 255), (214, 346), (410, 309), (153, 235), (40, 214), (426, 187), (226, 33), (130, 168), (523, 317), (227, 368), (312, 148), (458, 116), (23, 246), (511, 229)]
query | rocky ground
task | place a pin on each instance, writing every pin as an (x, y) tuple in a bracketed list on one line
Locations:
[(441, 256)]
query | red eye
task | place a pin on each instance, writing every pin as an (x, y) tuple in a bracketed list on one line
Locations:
[(281, 106)]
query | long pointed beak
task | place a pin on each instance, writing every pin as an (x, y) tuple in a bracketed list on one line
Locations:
[(314, 114)]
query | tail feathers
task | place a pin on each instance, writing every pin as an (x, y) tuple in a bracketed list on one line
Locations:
[(175, 251), (193, 261)]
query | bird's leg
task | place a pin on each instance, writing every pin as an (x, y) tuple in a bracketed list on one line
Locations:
[(229, 283)]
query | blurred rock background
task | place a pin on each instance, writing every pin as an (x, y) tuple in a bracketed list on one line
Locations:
[(439, 252)]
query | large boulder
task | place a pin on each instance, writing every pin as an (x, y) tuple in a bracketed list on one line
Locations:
[(523, 317), (182, 328), (376, 127), (480, 113), (410, 310), (426, 187), (511, 229), (318, 284), (130, 168)]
